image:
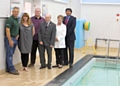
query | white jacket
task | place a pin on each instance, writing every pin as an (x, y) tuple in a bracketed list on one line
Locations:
[(60, 35)]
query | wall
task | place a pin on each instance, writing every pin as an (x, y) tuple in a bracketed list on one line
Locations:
[(36, 4), (76, 7), (16, 57), (54, 8), (103, 22)]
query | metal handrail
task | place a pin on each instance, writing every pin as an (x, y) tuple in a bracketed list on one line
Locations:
[(107, 51), (118, 53)]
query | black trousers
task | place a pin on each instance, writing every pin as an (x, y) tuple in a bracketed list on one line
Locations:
[(59, 52), (42, 55), (33, 53), (70, 47), (25, 59)]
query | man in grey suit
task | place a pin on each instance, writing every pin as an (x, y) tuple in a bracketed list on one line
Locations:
[(46, 38)]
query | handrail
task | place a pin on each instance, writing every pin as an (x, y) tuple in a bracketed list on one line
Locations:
[(96, 41)]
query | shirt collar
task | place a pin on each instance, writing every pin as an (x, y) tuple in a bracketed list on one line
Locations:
[(61, 24), (37, 18), (68, 17), (13, 17), (48, 22)]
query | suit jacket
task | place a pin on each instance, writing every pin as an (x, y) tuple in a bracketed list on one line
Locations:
[(70, 35), (47, 34)]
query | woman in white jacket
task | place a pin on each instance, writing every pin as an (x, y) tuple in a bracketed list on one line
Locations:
[(60, 41)]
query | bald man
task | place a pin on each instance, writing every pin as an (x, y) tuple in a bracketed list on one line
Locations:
[(46, 38), (37, 20)]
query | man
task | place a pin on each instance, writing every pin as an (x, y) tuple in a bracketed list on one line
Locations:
[(70, 23), (11, 40), (46, 37), (37, 20)]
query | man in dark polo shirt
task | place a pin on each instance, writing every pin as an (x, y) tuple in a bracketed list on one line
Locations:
[(12, 34), (37, 20)]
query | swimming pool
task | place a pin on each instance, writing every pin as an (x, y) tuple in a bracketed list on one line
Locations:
[(96, 73), (90, 71)]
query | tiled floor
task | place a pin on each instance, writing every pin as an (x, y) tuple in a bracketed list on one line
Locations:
[(37, 77)]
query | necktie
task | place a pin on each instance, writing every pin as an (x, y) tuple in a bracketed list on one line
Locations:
[(66, 20), (47, 24)]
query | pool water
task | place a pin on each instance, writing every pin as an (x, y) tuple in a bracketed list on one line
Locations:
[(99, 74)]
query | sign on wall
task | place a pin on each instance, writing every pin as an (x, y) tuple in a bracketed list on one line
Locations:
[(4, 8), (101, 1), (44, 9)]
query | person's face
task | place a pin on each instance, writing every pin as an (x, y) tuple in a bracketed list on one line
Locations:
[(68, 13), (60, 20), (47, 18), (25, 18), (37, 12), (15, 12)]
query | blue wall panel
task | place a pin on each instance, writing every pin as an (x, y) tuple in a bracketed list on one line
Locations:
[(80, 33)]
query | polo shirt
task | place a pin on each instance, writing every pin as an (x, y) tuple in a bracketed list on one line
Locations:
[(13, 25), (37, 22)]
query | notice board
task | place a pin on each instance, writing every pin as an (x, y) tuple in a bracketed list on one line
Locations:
[(5, 8)]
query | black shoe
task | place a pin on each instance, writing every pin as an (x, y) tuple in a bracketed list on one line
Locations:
[(55, 66), (70, 65), (49, 67), (42, 67), (65, 64), (31, 65)]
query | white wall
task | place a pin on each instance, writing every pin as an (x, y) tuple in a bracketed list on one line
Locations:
[(16, 58), (76, 7), (36, 4), (54, 8), (103, 22)]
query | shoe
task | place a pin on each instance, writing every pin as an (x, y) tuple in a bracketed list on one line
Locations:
[(31, 65), (49, 67), (42, 67), (55, 66), (65, 64), (60, 66), (70, 66), (14, 72)]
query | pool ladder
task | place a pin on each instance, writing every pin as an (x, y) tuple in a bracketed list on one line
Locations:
[(114, 60)]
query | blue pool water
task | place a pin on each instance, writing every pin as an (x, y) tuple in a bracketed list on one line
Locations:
[(101, 77), (97, 74)]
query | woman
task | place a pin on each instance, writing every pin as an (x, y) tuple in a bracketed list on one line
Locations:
[(60, 41), (25, 39)]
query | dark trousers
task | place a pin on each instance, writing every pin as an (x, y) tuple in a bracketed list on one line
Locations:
[(70, 47), (59, 52), (24, 58), (42, 54), (33, 53)]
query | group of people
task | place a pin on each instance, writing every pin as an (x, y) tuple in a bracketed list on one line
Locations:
[(42, 33)]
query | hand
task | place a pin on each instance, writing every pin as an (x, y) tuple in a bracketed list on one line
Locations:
[(41, 43), (17, 37), (56, 39), (11, 43), (51, 46)]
